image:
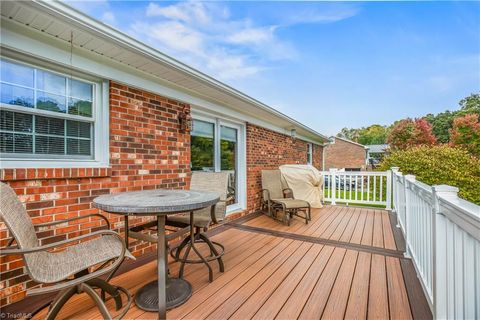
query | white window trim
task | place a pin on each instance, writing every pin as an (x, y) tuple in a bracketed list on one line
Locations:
[(242, 158), (100, 120)]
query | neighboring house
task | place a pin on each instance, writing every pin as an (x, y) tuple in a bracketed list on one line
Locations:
[(345, 154), (375, 153), (102, 116)]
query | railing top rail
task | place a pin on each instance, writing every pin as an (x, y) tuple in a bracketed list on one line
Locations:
[(356, 173)]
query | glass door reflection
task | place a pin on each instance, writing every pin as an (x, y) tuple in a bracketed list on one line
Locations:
[(228, 158)]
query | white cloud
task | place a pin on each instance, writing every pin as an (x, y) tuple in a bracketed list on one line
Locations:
[(189, 12), (332, 13), (252, 35), (204, 35)]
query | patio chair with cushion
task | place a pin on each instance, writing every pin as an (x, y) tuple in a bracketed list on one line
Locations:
[(68, 271), (202, 219), (277, 198)]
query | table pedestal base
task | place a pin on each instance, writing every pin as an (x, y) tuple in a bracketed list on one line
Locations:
[(178, 292)]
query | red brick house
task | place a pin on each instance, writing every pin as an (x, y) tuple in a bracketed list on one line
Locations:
[(345, 154), (101, 115)]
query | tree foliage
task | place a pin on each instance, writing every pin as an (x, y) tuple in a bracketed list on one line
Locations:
[(408, 133), (374, 134), (439, 164), (465, 133)]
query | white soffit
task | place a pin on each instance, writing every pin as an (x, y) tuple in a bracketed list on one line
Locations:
[(59, 20)]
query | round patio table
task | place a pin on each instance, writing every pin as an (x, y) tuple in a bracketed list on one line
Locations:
[(166, 292)]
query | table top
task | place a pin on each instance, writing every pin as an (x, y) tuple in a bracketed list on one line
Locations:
[(155, 202)]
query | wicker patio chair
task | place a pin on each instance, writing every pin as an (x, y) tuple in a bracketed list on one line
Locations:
[(276, 198), (202, 219), (66, 271)]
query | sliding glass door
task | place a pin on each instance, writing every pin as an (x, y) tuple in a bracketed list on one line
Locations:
[(216, 145)]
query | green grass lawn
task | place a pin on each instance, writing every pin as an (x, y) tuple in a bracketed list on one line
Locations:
[(342, 194)]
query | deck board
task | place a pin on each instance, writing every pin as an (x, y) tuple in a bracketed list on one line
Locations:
[(270, 276)]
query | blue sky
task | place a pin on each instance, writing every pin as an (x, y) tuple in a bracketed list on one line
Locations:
[(327, 64)]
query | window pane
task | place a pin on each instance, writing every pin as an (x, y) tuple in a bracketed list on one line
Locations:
[(228, 157), (50, 82), (50, 102), (6, 142), (202, 146), (78, 147), (81, 90), (23, 143), (202, 129), (47, 125), (15, 143), (16, 96), (16, 73), (49, 145), (80, 107), (23, 122), (6, 120), (78, 129)]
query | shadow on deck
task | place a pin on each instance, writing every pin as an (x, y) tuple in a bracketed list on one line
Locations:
[(346, 263)]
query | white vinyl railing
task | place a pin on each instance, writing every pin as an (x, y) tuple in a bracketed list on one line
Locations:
[(357, 187), (442, 236), (441, 231)]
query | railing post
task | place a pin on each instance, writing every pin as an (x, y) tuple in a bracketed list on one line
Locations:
[(389, 190), (408, 230), (334, 185), (439, 251), (394, 171)]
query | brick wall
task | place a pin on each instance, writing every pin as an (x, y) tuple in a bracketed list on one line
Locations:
[(344, 154), (146, 151), (268, 150)]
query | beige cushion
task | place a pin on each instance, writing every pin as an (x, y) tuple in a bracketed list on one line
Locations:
[(292, 203)]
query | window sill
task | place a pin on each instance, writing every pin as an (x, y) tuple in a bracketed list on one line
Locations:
[(18, 174)]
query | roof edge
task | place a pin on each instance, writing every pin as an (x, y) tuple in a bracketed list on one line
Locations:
[(106, 31)]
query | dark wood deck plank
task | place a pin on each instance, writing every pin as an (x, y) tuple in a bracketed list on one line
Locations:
[(398, 298)]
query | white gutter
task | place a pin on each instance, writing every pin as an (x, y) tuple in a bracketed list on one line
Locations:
[(85, 22)]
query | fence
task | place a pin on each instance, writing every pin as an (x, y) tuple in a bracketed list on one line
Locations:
[(357, 187), (442, 235), (441, 231)]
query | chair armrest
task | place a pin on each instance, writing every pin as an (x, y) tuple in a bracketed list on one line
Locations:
[(265, 191), (286, 191), (17, 251), (48, 224)]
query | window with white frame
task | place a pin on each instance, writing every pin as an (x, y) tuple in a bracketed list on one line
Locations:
[(218, 145), (46, 115), (309, 153)]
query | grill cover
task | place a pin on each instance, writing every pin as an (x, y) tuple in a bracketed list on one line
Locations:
[(306, 183)]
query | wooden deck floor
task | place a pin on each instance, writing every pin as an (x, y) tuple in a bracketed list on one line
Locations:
[(344, 264)]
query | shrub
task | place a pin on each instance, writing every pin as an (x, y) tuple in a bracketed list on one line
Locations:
[(442, 164)]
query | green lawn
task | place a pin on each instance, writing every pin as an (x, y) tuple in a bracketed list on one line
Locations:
[(351, 195)]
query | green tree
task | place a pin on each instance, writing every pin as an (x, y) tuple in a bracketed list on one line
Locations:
[(350, 134), (374, 134), (470, 104), (465, 133), (441, 124), (439, 164)]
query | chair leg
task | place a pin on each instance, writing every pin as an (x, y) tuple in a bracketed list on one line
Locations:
[(108, 288), (214, 251), (59, 302), (191, 244), (96, 298)]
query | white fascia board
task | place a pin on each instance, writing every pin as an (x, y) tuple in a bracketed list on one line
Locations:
[(35, 43)]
